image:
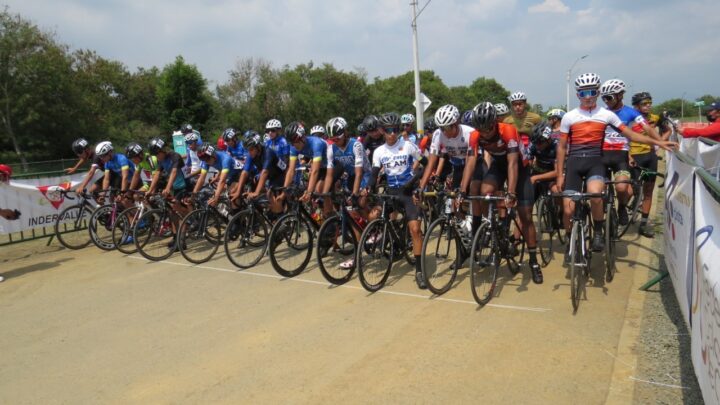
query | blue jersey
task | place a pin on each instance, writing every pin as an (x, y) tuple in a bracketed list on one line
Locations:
[(224, 163), (350, 158), (614, 140), (315, 148), (118, 163), (269, 161), (173, 161), (280, 145)]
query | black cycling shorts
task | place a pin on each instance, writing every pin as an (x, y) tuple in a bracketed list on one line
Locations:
[(405, 203), (616, 161), (496, 173), (524, 189), (579, 168), (647, 161)]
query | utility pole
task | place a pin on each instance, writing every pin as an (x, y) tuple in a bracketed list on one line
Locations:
[(569, 72), (416, 62)]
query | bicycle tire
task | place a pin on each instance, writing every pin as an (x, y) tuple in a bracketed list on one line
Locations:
[(374, 236), (611, 224), (77, 237), (335, 245), (250, 241), (290, 229), (122, 230), (152, 233), (577, 261), (206, 241), (634, 208), (484, 265), (436, 261), (100, 227), (545, 229)]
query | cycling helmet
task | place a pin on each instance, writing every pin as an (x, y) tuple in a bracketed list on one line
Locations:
[(250, 133), (447, 115), (79, 145), (191, 137), (484, 116), (103, 148), (407, 119), (229, 134), (134, 149), (206, 151), (294, 131), (273, 124), (517, 96), (371, 123), (254, 141), (612, 86), (336, 127), (466, 118), (317, 130), (361, 129), (186, 128), (221, 144), (389, 120), (430, 125), (639, 97), (501, 109), (541, 132), (155, 146), (556, 113), (587, 81)]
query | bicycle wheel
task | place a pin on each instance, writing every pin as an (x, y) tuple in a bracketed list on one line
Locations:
[(71, 227), (101, 224), (577, 264), (335, 249), (544, 230), (634, 209), (375, 255), (611, 224), (291, 242), (484, 265), (246, 239), (122, 230), (199, 236), (440, 256), (153, 235)]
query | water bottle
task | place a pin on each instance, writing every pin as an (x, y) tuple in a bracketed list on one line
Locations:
[(448, 206)]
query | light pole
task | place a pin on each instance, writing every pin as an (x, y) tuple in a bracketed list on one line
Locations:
[(569, 72), (682, 105), (418, 103)]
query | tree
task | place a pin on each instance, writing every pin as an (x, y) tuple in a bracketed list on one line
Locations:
[(397, 93), (183, 95)]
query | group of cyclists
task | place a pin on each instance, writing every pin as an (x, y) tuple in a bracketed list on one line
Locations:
[(489, 149)]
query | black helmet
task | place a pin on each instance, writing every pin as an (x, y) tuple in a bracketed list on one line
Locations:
[(484, 116), (155, 146), (205, 151), (541, 132), (389, 120), (133, 149), (186, 128), (361, 129), (430, 126), (294, 131), (639, 97), (253, 141), (371, 123), (250, 133), (79, 145)]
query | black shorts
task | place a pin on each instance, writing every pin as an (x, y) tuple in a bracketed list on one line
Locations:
[(480, 169), (647, 161), (583, 168), (405, 203), (447, 169), (524, 189), (457, 175), (616, 161), (496, 173)]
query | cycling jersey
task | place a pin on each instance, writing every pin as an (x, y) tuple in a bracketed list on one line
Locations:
[(614, 140), (506, 140), (524, 125), (147, 167), (637, 148), (585, 130), (424, 144), (267, 160), (543, 160), (412, 137), (192, 162), (457, 148), (239, 154), (351, 157), (555, 134), (397, 161), (171, 161), (118, 163), (314, 148), (280, 145), (97, 162), (370, 144), (224, 163)]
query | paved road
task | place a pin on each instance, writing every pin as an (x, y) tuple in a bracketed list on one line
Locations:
[(90, 326)]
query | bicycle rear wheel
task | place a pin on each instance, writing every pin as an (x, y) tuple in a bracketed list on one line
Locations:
[(577, 265), (611, 226), (101, 225), (336, 247), (122, 230), (71, 227), (200, 235), (246, 239), (440, 256), (153, 235), (291, 243), (375, 255), (484, 265), (634, 208)]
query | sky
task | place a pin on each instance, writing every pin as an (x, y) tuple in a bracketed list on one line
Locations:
[(661, 46)]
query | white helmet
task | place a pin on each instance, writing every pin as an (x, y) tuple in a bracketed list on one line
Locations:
[(191, 136), (336, 127), (517, 96), (407, 119), (587, 81), (317, 129), (273, 124), (447, 115), (612, 86), (103, 148), (501, 109)]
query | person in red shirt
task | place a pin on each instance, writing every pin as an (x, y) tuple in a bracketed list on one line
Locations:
[(712, 131)]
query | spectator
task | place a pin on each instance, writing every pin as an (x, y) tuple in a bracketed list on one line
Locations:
[(712, 131)]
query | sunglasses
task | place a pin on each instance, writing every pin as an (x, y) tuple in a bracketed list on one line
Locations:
[(608, 97), (588, 93), (392, 130)]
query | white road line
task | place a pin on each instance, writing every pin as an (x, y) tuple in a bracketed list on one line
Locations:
[(326, 284), (660, 384), (617, 359)]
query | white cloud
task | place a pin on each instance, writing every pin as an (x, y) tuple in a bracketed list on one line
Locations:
[(549, 6), (495, 53)]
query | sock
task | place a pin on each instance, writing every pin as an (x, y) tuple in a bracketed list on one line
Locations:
[(532, 253), (476, 221), (644, 219), (599, 225), (418, 267)]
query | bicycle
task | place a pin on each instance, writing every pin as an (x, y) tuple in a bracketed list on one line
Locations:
[(612, 225), (202, 231), (153, 233), (549, 224), (382, 242), (125, 222), (247, 234), (102, 221), (295, 231), (638, 196), (73, 234)]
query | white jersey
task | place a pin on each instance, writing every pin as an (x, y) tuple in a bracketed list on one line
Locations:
[(457, 148), (397, 161)]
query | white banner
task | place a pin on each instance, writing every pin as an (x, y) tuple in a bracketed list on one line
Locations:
[(708, 156), (38, 201), (678, 228), (705, 333)]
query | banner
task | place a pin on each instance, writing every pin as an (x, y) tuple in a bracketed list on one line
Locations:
[(708, 156), (38, 200), (705, 333), (678, 229)]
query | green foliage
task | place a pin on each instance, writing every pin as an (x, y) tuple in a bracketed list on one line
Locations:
[(183, 96)]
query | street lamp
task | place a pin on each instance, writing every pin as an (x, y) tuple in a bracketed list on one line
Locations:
[(569, 72), (419, 108)]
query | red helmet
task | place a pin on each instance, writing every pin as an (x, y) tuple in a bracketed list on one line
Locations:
[(221, 144), (6, 170)]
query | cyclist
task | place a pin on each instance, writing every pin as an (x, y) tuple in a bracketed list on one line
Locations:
[(169, 174), (192, 162), (234, 147), (406, 126), (399, 159), (554, 117), (310, 147), (584, 129), (523, 120), (118, 171), (145, 165), (502, 111), (85, 153), (318, 131), (543, 152), (501, 141), (224, 163), (374, 135), (264, 163), (424, 143), (275, 140)]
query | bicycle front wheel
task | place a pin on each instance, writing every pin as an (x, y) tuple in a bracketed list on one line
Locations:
[(336, 250), (578, 263), (101, 225), (440, 256), (375, 255), (71, 227), (545, 231), (611, 225), (200, 235), (291, 242), (484, 264), (153, 235), (122, 230), (246, 239)]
